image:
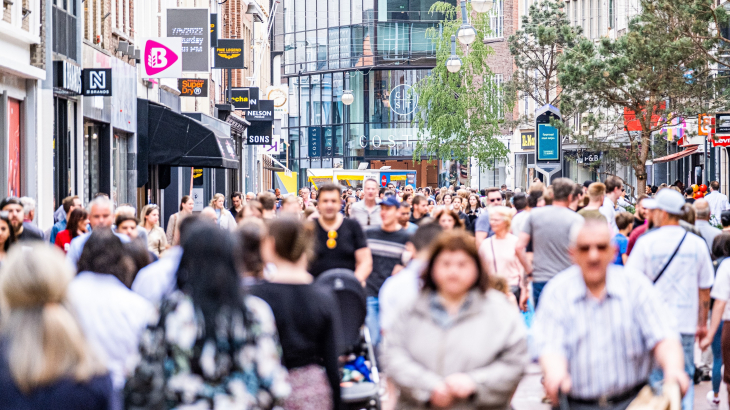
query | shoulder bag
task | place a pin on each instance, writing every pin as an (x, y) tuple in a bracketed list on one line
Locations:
[(661, 272)]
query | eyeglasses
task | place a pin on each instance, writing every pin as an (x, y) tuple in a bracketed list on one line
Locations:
[(495, 200), (601, 247)]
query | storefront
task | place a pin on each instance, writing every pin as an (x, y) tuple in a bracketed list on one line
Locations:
[(109, 131), (183, 154), (342, 49), (66, 115)]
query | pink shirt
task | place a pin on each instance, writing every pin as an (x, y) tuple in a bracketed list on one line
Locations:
[(507, 264)]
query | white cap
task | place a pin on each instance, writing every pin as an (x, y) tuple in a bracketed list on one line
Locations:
[(667, 200)]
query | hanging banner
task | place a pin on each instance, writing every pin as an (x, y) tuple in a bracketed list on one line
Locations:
[(213, 29), (229, 53), (314, 138), (264, 111), (162, 57), (96, 82), (241, 98), (259, 133), (192, 87), (191, 26), (280, 95)]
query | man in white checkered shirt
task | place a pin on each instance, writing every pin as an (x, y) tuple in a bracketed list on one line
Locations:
[(598, 326)]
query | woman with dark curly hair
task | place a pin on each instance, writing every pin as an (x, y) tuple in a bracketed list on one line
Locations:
[(213, 346)]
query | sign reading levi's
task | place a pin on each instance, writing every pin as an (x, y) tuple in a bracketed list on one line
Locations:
[(263, 112), (192, 87), (229, 53)]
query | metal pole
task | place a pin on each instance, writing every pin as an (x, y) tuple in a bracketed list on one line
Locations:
[(707, 168), (230, 87)]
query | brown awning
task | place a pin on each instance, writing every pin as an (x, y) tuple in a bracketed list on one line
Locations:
[(681, 154)]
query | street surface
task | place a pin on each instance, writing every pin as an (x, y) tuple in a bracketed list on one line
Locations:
[(529, 393)]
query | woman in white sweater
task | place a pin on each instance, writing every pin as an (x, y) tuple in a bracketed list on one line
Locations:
[(225, 219)]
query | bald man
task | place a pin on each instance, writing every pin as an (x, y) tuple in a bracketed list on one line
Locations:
[(702, 221)]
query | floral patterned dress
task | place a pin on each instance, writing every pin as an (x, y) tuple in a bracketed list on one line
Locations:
[(240, 368)]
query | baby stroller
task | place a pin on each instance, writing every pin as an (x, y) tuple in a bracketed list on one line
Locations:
[(361, 383)]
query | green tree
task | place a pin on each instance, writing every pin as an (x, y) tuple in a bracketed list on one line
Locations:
[(460, 113), (654, 71), (536, 48)]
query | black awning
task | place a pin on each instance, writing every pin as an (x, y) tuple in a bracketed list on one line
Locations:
[(180, 141)]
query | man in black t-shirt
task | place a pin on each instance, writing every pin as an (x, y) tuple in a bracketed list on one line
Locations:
[(340, 242), (24, 231), (387, 243)]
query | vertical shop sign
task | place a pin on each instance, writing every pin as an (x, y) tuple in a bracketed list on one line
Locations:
[(192, 26)]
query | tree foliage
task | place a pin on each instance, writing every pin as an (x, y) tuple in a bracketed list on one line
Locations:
[(536, 48), (460, 113), (653, 71)]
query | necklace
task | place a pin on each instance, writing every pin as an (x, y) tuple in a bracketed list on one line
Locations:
[(332, 242)]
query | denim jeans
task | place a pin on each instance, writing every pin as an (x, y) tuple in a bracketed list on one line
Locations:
[(372, 320), (717, 360), (657, 376), (537, 290)]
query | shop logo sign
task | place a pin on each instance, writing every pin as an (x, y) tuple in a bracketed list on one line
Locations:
[(96, 82), (162, 57), (403, 100)]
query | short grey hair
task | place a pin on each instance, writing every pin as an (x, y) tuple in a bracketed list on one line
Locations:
[(28, 204), (102, 201), (575, 231)]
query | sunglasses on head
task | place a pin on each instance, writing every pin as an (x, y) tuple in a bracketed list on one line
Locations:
[(601, 247)]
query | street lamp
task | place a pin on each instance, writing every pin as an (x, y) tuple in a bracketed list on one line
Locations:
[(453, 64), (482, 6), (347, 97), (467, 33)]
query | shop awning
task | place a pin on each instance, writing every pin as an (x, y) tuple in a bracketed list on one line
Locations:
[(180, 141), (678, 155)]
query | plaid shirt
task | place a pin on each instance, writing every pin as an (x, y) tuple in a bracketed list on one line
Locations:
[(607, 342)]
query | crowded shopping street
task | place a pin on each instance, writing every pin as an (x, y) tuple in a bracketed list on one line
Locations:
[(365, 205), (372, 299)]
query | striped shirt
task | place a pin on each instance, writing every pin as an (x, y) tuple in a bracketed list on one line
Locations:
[(606, 342), (387, 249)]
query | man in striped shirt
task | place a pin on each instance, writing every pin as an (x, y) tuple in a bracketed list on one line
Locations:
[(387, 243), (598, 326)]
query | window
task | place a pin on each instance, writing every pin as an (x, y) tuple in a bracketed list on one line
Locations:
[(590, 28), (496, 20), (497, 90), (583, 14)]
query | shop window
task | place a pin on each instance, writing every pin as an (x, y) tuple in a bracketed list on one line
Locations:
[(92, 170)]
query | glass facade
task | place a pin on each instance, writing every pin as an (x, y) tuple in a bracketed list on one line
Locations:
[(377, 49)]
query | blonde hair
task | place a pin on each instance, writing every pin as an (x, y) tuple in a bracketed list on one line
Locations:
[(216, 197), (596, 190), (503, 211), (45, 342)]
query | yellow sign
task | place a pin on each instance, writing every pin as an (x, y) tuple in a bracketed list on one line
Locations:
[(239, 99), (228, 53), (197, 172)]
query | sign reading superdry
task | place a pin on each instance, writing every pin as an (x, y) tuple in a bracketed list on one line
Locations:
[(192, 87), (96, 82)]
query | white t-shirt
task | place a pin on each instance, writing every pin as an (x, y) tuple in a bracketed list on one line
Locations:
[(721, 288), (690, 270), (607, 210)]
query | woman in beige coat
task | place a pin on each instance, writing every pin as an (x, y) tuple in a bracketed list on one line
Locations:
[(462, 345)]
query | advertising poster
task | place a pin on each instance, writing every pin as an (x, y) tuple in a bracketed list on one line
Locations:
[(192, 26), (14, 148), (547, 143)]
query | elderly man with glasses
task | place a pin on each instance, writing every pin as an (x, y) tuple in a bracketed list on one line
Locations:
[(599, 325)]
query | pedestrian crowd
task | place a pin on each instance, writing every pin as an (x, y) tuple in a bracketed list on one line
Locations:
[(453, 291)]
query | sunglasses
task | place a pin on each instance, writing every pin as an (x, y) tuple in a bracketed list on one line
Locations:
[(601, 247), (495, 200)]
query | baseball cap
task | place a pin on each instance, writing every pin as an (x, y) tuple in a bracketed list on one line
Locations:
[(667, 200), (389, 201)]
